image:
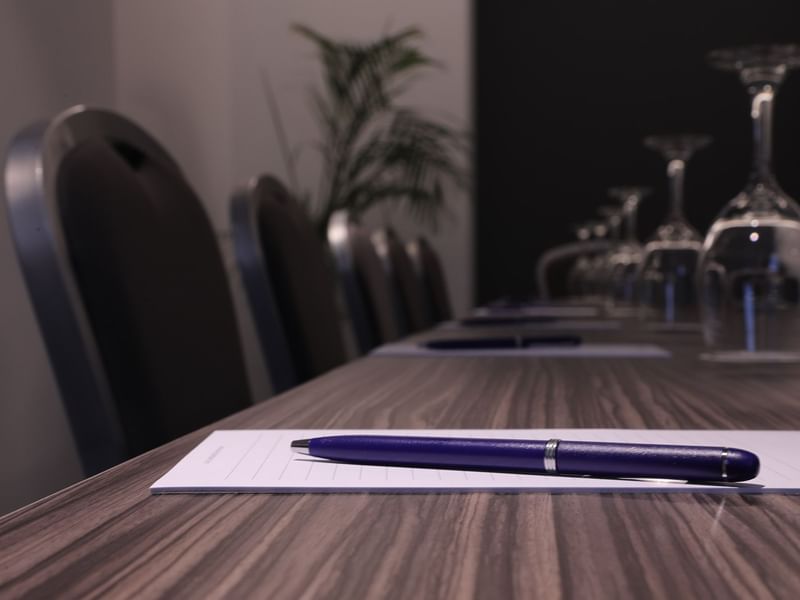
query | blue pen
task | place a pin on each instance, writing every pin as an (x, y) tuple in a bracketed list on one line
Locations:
[(550, 457)]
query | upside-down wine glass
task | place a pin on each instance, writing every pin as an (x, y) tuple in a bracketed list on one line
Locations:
[(601, 265), (601, 230), (667, 279), (580, 276), (625, 259), (750, 266), (577, 273)]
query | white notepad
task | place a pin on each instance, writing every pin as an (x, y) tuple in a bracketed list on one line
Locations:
[(262, 461), (579, 351)]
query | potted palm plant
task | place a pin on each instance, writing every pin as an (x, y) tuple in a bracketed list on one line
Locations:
[(374, 150)]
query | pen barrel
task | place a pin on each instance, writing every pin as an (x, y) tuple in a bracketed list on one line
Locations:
[(697, 463), (553, 457), (455, 453)]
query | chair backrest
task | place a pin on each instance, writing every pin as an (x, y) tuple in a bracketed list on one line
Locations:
[(429, 270), (290, 283), (367, 289), (412, 307), (127, 283)]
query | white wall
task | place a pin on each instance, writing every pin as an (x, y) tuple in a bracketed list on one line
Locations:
[(261, 40), (52, 55), (171, 65), (190, 71)]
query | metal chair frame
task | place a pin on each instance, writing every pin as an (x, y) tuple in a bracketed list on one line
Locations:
[(31, 171)]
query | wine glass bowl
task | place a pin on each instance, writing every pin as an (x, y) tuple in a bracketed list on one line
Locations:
[(625, 258), (749, 271), (608, 228), (576, 276), (581, 278)]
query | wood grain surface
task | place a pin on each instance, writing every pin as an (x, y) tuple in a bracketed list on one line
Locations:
[(106, 537)]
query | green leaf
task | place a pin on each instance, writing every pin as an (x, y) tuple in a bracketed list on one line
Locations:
[(374, 151)]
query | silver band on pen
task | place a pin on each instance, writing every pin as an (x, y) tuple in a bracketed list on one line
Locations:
[(550, 449), (724, 458)]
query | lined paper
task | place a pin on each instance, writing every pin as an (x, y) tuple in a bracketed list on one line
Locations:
[(262, 461), (581, 350)]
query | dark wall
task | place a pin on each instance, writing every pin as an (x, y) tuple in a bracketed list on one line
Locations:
[(565, 92)]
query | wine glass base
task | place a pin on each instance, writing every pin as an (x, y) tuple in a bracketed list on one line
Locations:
[(758, 356)]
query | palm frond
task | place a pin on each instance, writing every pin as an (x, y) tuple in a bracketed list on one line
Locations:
[(374, 152), (289, 157)]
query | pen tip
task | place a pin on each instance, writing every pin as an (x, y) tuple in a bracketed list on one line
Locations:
[(300, 446)]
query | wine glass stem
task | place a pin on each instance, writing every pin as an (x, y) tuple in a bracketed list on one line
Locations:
[(762, 100), (613, 226), (676, 169), (630, 216)]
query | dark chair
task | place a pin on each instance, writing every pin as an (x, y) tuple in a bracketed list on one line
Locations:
[(127, 283), (411, 304), (367, 289), (289, 281), (429, 270)]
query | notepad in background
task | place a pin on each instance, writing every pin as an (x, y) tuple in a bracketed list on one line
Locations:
[(580, 351), (677, 327), (262, 461), (497, 343), (492, 320), (548, 324), (567, 312), (528, 302)]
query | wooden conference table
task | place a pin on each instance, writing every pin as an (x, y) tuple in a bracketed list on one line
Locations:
[(108, 537)]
